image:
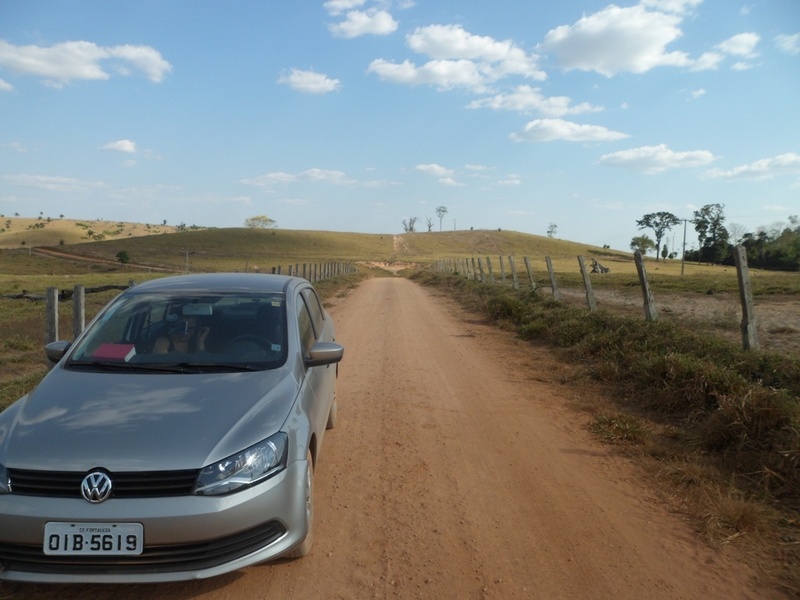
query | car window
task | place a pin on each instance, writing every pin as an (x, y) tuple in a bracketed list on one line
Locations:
[(305, 326), (315, 308), (214, 329)]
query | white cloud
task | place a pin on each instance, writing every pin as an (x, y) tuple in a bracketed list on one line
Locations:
[(121, 146), (788, 43), (313, 175), (656, 159), (743, 44), (370, 22), (778, 208), (708, 61), (62, 63), (526, 99), (55, 184), (511, 180), (435, 170), (446, 176), (698, 93), (548, 130), (679, 7), (5, 86), (310, 82), (444, 74), (458, 59), (615, 40), (766, 168), (337, 7)]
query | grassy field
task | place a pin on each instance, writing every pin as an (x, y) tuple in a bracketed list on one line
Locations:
[(262, 249)]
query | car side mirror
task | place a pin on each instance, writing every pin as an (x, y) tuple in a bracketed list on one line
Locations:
[(55, 351), (324, 353)]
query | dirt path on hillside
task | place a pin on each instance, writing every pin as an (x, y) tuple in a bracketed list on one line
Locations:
[(456, 471)]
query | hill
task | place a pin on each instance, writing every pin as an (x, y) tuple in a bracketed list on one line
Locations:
[(158, 249), (25, 232), (260, 249)]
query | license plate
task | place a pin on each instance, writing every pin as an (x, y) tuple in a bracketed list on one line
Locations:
[(93, 539)]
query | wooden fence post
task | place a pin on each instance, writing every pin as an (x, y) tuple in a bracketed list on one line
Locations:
[(480, 268), (78, 310), (650, 312), (553, 284), (530, 273), (513, 268), (591, 301), (749, 329), (502, 270), (491, 271), (51, 315)]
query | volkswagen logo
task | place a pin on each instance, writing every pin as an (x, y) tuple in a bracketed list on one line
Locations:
[(96, 487)]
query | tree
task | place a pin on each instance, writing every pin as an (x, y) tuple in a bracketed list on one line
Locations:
[(429, 223), (664, 252), (408, 226), (736, 233), (711, 233), (260, 222), (441, 211), (660, 223), (123, 258), (642, 244), (551, 230)]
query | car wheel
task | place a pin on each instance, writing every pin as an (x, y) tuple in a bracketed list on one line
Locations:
[(305, 547), (333, 414)]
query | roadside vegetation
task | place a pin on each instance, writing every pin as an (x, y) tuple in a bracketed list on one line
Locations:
[(717, 426)]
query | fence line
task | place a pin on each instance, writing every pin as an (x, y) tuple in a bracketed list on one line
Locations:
[(314, 273), (748, 322)]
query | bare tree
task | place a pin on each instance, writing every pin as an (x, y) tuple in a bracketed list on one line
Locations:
[(429, 223), (441, 211), (408, 226), (736, 232)]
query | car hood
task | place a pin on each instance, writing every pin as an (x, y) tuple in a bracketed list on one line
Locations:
[(75, 421)]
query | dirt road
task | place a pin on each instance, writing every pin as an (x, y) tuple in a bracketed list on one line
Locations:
[(457, 471)]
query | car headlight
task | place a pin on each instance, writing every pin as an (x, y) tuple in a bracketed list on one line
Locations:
[(5, 482), (246, 468)]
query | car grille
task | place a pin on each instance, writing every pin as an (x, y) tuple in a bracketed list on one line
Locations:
[(152, 484), (154, 559)]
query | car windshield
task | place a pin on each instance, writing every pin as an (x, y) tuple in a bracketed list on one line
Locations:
[(186, 333)]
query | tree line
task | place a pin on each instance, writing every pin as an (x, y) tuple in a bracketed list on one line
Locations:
[(776, 248)]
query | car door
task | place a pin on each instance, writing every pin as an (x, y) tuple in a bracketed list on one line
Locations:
[(316, 389)]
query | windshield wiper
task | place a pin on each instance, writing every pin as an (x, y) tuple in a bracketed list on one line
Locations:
[(182, 367), (222, 367), (126, 366)]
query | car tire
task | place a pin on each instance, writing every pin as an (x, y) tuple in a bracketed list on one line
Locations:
[(333, 414), (305, 546)]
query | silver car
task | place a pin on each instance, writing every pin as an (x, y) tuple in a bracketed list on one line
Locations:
[(176, 437)]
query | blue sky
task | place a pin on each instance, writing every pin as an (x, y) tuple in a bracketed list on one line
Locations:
[(353, 115)]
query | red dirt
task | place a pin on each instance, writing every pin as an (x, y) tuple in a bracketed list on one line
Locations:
[(458, 471)]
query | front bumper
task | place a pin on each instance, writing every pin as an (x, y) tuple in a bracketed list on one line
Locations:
[(188, 537)]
